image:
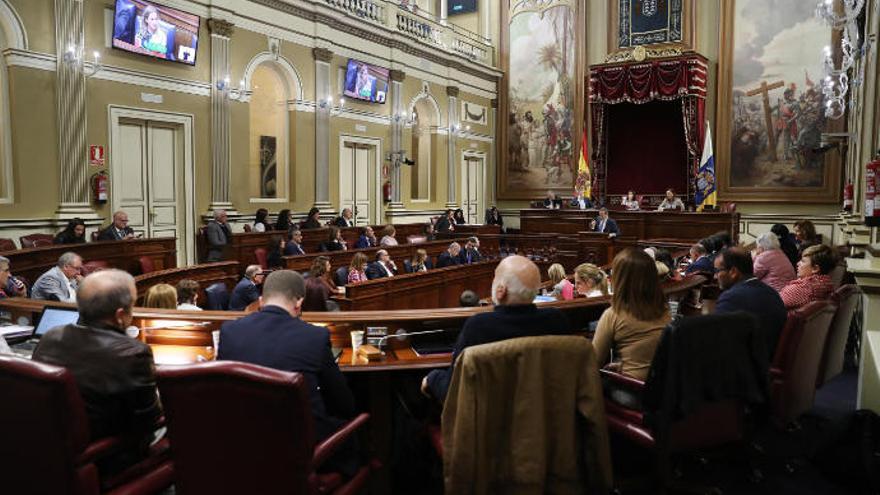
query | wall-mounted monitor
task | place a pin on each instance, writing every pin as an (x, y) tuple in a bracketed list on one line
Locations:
[(461, 6), (155, 31), (366, 82)]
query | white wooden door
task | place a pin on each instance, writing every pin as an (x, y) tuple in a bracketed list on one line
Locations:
[(357, 170), (148, 179), (472, 187)]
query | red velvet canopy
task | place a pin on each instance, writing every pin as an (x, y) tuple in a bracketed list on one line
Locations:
[(680, 78)]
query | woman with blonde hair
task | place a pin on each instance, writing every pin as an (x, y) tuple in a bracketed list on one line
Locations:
[(418, 263), (161, 296), (633, 324), (357, 269), (562, 288), (590, 280)]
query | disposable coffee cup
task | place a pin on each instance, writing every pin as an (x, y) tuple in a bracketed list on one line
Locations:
[(673, 308), (215, 336), (357, 338)]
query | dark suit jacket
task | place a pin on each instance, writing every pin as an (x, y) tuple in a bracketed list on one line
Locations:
[(443, 225), (341, 222), (331, 246), (109, 233), (610, 226), (115, 376), (292, 249), (364, 242), (275, 339), (244, 293), (408, 268), (375, 270), (703, 264), (445, 259), (218, 238), (310, 224), (466, 256), (505, 322), (759, 299)]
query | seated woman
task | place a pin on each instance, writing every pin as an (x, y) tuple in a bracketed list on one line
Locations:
[(274, 260), (319, 286), (805, 235), (787, 243), (563, 290), (283, 223), (418, 263), (770, 264), (357, 271), (388, 238), (313, 221), (334, 242), (671, 203), (590, 281), (629, 201), (74, 233), (633, 324), (813, 282), (493, 217), (161, 296), (458, 216), (188, 295), (261, 222)]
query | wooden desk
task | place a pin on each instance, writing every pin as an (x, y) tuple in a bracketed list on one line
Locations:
[(30, 263), (226, 272)]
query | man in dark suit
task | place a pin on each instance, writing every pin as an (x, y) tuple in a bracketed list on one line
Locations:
[(294, 244), (218, 236), (345, 219), (445, 223), (471, 252), (743, 292), (247, 290), (603, 223), (118, 230), (702, 262), (367, 238), (450, 256), (383, 266), (517, 282), (277, 338)]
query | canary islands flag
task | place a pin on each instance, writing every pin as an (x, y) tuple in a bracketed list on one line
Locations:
[(584, 181), (706, 195)]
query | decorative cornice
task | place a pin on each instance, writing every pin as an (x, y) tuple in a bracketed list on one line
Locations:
[(452, 91), (219, 27), (397, 75), (322, 55), (640, 53)]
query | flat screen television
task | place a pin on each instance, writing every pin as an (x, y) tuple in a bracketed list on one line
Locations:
[(156, 31), (366, 82), (461, 7)]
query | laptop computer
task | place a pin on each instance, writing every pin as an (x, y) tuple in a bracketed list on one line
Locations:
[(49, 319)]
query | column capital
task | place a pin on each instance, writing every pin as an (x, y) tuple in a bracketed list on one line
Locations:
[(397, 75), (452, 91), (322, 55), (219, 27)]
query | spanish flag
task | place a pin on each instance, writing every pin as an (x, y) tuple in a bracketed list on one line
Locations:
[(584, 181), (706, 195)]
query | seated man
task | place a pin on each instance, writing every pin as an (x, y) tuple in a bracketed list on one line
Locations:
[(517, 282), (383, 266), (294, 245), (445, 223), (367, 238), (701, 262), (580, 202), (604, 224), (60, 282), (118, 230), (471, 252), (114, 373), (743, 292), (450, 256), (247, 290), (277, 338), (813, 282), (9, 285), (345, 218), (187, 295)]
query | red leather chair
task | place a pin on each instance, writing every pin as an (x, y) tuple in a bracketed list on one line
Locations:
[(242, 428), (45, 447), (262, 257), (7, 245), (147, 265), (728, 208), (795, 366), (846, 298), (94, 266), (36, 240)]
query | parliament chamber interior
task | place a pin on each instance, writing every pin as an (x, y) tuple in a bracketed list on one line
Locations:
[(439, 246)]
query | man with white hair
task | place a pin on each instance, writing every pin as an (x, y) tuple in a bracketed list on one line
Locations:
[(701, 262), (9, 285), (218, 234), (450, 256), (517, 281), (247, 290), (60, 283), (118, 230), (771, 265)]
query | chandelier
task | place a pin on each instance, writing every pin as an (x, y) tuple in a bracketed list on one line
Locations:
[(835, 84)]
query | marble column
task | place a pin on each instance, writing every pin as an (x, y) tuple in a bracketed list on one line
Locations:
[(71, 111), (492, 176), (221, 31), (397, 125), (451, 140), (444, 11), (485, 23), (323, 57)]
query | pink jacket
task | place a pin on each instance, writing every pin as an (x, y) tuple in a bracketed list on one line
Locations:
[(774, 269)]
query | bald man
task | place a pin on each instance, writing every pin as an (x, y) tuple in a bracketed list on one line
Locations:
[(118, 230), (114, 373), (517, 281)]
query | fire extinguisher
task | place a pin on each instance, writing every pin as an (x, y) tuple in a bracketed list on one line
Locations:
[(386, 191), (848, 197), (100, 185), (872, 202)]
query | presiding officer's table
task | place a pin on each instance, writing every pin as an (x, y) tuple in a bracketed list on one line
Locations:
[(641, 224)]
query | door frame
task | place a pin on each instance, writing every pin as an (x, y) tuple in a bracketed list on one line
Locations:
[(376, 193), (116, 113), (481, 195)]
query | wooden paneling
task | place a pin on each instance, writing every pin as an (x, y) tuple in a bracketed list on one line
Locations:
[(32, 262), (685, 226), (206, 274)]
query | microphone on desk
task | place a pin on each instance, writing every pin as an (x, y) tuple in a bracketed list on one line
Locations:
[(381, 342)]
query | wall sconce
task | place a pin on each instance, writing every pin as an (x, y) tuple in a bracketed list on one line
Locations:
[(235, 94), (405, 119), (73, 57), (327, 104)]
